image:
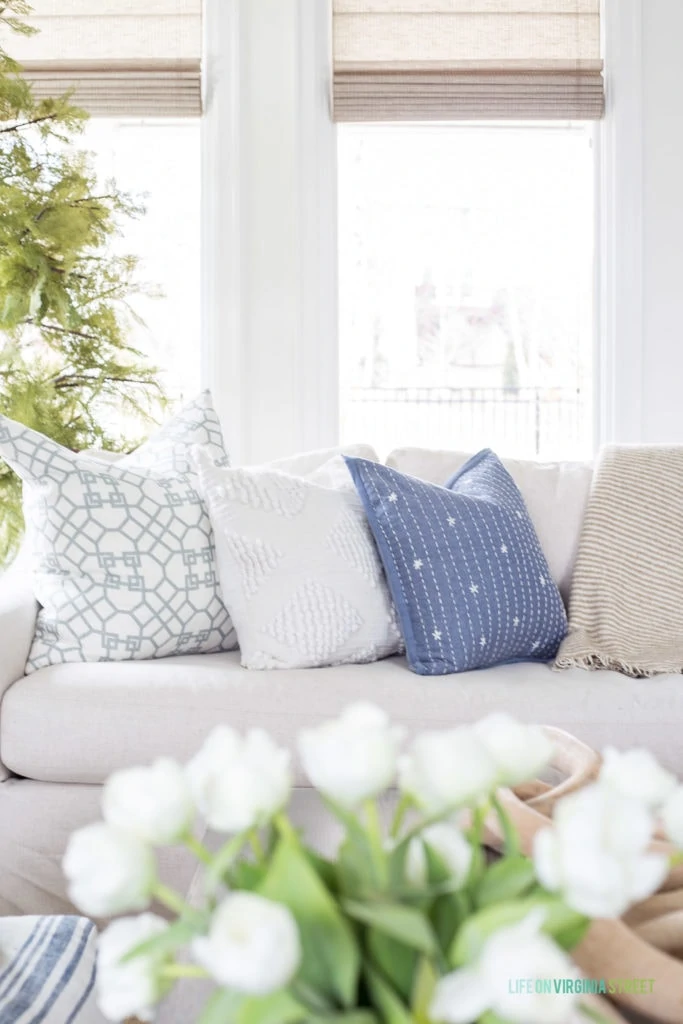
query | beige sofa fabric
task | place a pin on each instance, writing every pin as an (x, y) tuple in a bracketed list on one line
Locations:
[(77, 723), (18, 610), (555, 493), (36, 820)]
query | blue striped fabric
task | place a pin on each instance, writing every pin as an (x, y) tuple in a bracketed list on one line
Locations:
[(50, 978), (469, 579)]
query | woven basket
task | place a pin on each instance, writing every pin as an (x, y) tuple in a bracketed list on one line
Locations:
[(643, 943)]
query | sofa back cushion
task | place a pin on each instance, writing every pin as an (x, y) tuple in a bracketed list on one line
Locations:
[(555, 494), (322, 461)]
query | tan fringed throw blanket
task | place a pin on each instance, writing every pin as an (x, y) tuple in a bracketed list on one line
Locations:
[(626, 604)]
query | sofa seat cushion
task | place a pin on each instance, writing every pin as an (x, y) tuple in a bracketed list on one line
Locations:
[(78, 722)]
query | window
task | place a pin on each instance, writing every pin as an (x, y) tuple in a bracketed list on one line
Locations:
[(136, 69), (158, 161), (466, 286), (467, 222)]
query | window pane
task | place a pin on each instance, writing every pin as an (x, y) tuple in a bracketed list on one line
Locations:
[(466, 287), (158, 161)]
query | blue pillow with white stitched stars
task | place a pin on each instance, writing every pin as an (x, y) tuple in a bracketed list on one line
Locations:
[(465, 568)]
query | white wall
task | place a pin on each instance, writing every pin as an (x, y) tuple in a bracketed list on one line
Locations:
[(662, 385)]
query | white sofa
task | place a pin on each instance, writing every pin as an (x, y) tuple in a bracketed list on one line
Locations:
[(65, 728)]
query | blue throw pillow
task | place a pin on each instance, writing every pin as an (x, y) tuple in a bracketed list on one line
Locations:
[(464, 565)]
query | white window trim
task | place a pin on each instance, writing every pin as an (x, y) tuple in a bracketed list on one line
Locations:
[(220, 328), (270, 284), (619, 193), (269, 333)]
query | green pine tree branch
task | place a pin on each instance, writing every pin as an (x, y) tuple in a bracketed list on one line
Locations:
[(67, 365)]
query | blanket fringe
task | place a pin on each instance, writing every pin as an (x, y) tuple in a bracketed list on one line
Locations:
[(592, 661)]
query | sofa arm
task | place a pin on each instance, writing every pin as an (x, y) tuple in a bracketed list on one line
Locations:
[(18, 610)]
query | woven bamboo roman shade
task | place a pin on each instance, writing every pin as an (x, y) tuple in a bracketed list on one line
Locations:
[(417, 60), (122, 57)]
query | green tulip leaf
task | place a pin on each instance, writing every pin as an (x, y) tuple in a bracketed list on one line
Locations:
[(423, 990), (390, 1006), (397, 865), (407, 924), (506, 879), (438, 872), (176, 935), (566, 926), (447, 915), (222, 1008), (355, 872), (477, 867), (353, 1017), (278, 1008), (331, 958), (474, 933), (570, 936), (560, 922), (246, 875), (395, 961), (325, 869)]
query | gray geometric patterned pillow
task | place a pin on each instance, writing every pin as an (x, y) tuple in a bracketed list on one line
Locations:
[(123, 553), (169, 450)]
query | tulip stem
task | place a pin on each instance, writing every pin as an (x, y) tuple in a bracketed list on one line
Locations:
[(285, 828), (257, 846), (183, 971), (399, 815), (172, 900), (479, 816), (376, 844), (475, 834), (512, 848), (198, 849), (224, 860)]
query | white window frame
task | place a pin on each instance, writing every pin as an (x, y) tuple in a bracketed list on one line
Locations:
[(619, 264), (270, 330)]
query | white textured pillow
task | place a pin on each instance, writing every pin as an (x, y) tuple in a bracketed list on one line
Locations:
[(298, 567), (122, 553)]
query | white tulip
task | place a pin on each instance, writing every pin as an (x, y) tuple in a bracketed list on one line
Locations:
[(518, 952), (672, 817), (520, 752), (353, 757), (596, 855), (133, 988), (109, 871), (253, 945), (449, 844), (239, 782), (448, 769), (154, 803), (638, 775)]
